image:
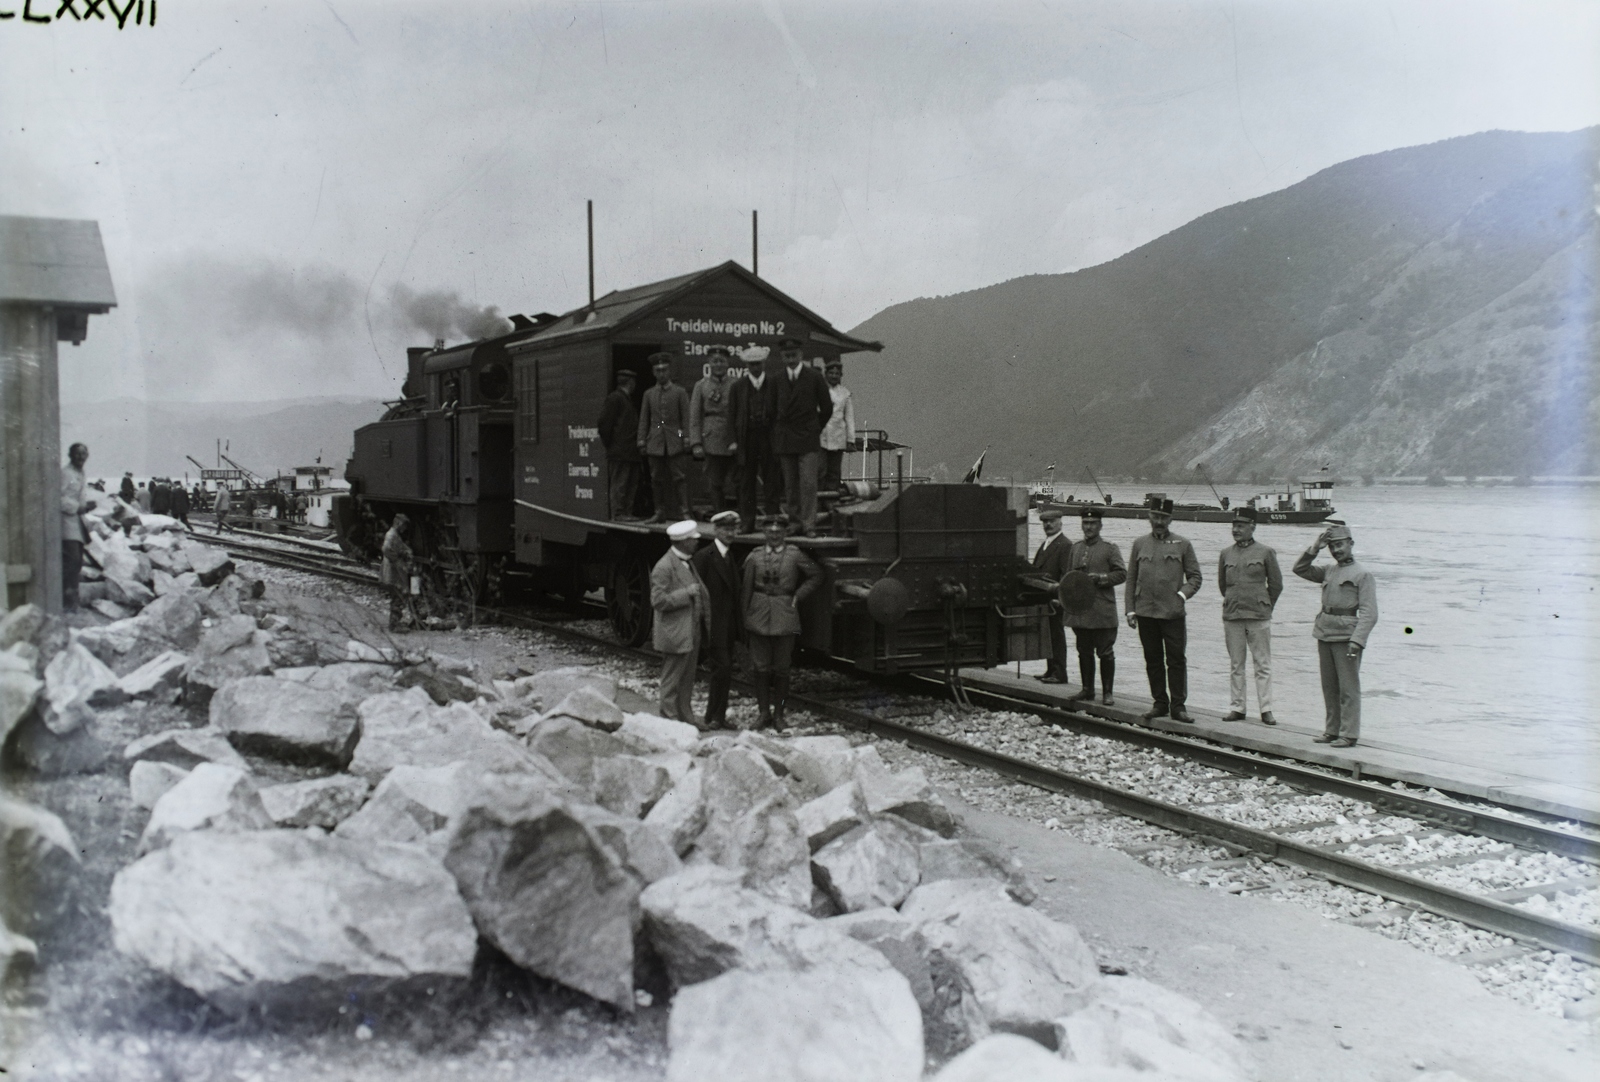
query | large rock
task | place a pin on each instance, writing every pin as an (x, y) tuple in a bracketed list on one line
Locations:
[(76, 683), (211, 797), (443, 688), (109, 642), (630, 785), (574, 748), (647, 732), (176, 615), (352, 681), (285, 720), (413, 804), (41, 866), (1005, 1057), (872, 866), (185, 748), (1128, 1022), (586, 704), (543, 690), (751, 827), (149, 781), (160, 678), (997, 965), (822, 762), (680, 816), (898, 940), (836, 812), (406, 728), (281, 915), (318, 802), (22, 624), (824, 1025), (231, 649), (640, 849), (19, 691), (908, 795), (208, 562), (34, 748), (974, 858), (545, 889), (701, 922)]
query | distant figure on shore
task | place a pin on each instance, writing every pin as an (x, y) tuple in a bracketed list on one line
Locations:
[(679, 599), (1349, 613), (141, 499), (180, 503), (1248, 576), (160, 497), (74, 502), (126, 490), (221, 506), (1163, 575)]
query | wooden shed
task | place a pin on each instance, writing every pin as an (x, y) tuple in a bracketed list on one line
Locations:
[(53, 277), (562, 374)]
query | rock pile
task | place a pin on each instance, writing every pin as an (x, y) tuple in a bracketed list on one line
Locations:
[(813, 913)]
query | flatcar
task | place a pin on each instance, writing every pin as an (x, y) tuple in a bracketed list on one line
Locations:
[(493, 453)]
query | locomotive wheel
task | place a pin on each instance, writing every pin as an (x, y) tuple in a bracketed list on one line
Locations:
[(628, 600)]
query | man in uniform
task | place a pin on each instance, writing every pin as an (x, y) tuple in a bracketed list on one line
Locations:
[(777, 578), (74, 503), (719, 573), (1163, 574), (1050, 563), (752, 406), (1248, 576), (1349, 613), (619, 431), (679, 598), (664, 440), (1095, 625), (710, 439), (804, 406), (396, 569)]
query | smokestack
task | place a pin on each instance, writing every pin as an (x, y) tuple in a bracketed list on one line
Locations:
[(755, 243), (438, 343), (413, 385), (591, 253)]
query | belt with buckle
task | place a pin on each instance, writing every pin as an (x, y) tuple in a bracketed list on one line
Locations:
[(1338, 612)]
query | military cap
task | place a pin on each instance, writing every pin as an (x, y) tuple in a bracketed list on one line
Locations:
[(1339, 532), (660, 358), (717, 350), (780, 519), (725, 518), (1244, 514), (1092, 512), (1159, 504), (1050, 514), (791, 343), (681, 531), (834, 363)]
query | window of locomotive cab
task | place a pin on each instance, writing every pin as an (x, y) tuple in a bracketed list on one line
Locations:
[(526, 388), (494, 384)]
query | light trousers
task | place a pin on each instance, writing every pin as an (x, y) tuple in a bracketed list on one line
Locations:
[(1256, 635), (677, 686), (800, 488)]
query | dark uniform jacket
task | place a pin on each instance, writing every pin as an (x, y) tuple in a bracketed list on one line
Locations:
[(804, 406), (774, 585), (1158, 571), (751, 412), (619, 427), (721, 575), (1051, 558), (1250, 581), (664, 421), (1102, 562)]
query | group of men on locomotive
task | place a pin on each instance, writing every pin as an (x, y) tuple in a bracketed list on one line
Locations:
[(764, 441), (1162, 573)]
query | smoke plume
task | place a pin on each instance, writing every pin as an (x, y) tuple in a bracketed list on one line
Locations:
[(446, 315)]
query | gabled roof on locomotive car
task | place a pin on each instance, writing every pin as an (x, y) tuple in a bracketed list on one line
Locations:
[(57, 261), (623, 307)]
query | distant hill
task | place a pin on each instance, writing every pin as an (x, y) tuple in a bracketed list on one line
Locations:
[(1425, 308), (152, 438)]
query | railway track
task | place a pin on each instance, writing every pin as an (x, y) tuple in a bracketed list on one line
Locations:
[(1447, 857)]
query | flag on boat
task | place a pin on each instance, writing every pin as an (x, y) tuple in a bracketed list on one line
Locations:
[(976, 471)]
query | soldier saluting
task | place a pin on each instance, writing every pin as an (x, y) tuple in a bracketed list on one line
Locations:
[(1349, 613)]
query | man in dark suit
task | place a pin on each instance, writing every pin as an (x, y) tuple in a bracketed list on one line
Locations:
[(752, 404), (715, 565), (664, 440), (1051, 562), (619, 431), (804, 406)]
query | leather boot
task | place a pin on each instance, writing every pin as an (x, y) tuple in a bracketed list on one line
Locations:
[(1108, 672), (780, 695), (1085, 678), (763, 700)]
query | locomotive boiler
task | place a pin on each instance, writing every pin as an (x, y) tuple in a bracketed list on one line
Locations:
[(493, 453)]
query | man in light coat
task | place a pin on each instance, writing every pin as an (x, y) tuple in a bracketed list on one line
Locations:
[(1163, 574), (679, 599), (74, 503), (710, 438), (221, 506), (1348, 615), (664, 441), (777, 578), (1250, 581), (839, 434)]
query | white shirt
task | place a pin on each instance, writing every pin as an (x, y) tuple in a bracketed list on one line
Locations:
[(794, 371), (840, 431), (755, 380), (723, 549)]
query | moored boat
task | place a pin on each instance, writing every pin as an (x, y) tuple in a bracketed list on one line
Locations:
[(1304, 504)]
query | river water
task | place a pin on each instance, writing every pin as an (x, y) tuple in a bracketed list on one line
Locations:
[(1487, 648)]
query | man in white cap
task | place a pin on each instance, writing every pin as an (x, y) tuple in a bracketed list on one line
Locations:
[(679, 598), (1348, 615), (719, 572)]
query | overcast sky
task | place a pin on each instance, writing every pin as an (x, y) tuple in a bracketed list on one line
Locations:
[(290, 192)]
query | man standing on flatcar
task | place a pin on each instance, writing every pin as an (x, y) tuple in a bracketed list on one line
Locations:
[(1050, 562), (1163, 574), (619, 431), (1095, 627), (777, 578), (839, 434), (753, 406), (679, 598), (804, 407), (709, 434), (664, 440), (719, 573)]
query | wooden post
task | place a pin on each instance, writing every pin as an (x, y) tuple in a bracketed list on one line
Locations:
[(30, 459)]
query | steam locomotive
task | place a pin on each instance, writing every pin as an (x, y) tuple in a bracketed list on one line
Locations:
[(493, 454)]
